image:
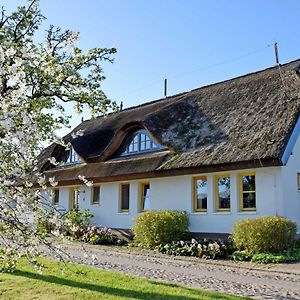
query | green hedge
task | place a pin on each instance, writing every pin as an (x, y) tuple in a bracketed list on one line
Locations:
[(264, 235), (153, 228)]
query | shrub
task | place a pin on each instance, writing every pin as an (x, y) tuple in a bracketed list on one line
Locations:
[(200, 248), (153, 228), (76, 221), (290, 255), (264, 235), (241, 256), (44, 222), (268, 258)]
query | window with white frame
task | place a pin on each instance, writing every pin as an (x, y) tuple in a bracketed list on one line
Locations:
[(71, 157), (140, 142)]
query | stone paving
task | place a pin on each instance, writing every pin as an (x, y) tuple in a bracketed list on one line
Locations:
[(243, 279)]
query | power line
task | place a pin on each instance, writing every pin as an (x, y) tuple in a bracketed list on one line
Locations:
[(196, 70), (222, 63)]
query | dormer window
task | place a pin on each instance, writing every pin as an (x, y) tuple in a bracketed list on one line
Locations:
[(139, 142), (71, 157)]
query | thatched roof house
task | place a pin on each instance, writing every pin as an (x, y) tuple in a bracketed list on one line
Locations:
[(238, 123), (242, 123)]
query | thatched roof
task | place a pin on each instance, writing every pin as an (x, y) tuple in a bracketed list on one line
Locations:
[(245, 121)]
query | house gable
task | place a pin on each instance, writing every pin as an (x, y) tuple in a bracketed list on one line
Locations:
[(291, 143)]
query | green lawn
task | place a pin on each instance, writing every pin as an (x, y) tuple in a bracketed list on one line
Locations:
[(80, 282)]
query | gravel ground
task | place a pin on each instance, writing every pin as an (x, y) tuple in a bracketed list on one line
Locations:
[(244, 279)]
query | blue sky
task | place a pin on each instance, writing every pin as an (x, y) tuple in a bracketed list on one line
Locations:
[(193, 42)]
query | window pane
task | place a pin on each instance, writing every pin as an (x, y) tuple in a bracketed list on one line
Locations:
[(145, 197), (143, 145), (148, 145), (223, 198), (135, 147), (56, 197), (125, 197), (201, 202), (201, 193), (249, 200), (224, 184), (96, 194), (76, 198), (130, 147), (143, 137), (248, 183)]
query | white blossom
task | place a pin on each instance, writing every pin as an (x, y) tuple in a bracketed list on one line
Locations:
[(52, 181), (33, 79)]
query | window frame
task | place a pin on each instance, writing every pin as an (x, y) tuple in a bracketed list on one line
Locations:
[(74, 199), (72, 158), (195, 209), (140, 150), (55, 197), (141, 198), (217, 193), (93, 195), (121, 209), (241, 202)]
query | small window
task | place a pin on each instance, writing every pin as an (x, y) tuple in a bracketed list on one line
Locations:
[(139, 142), (222, 190), (74, 198), (298, 179), (145, 196), (124, 197), (71, 157), (56, 197), (96, 195), (200, 193), (247, 192)]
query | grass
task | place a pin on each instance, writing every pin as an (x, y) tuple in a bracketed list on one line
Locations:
[(81, 282)]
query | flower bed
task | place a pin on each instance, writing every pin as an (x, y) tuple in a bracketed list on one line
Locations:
[(77, 226), (199, 248)]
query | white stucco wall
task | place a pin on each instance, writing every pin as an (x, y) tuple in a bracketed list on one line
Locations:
[(176, 193)]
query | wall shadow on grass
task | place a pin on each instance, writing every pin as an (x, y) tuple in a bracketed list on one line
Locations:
[(119, 292)]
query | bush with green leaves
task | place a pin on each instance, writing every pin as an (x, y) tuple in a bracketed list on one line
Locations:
[(290, 255), (45, 223), (241, 256), (153, 228), (76, 221), (264, 235)]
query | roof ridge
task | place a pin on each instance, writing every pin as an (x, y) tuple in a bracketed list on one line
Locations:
[(246, 75), (206, 86), (196, 89)]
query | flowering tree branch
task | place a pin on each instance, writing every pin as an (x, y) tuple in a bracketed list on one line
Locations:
[(36, 79)]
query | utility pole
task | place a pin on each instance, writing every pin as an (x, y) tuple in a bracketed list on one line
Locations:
[(166, 86), (276, 53)]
